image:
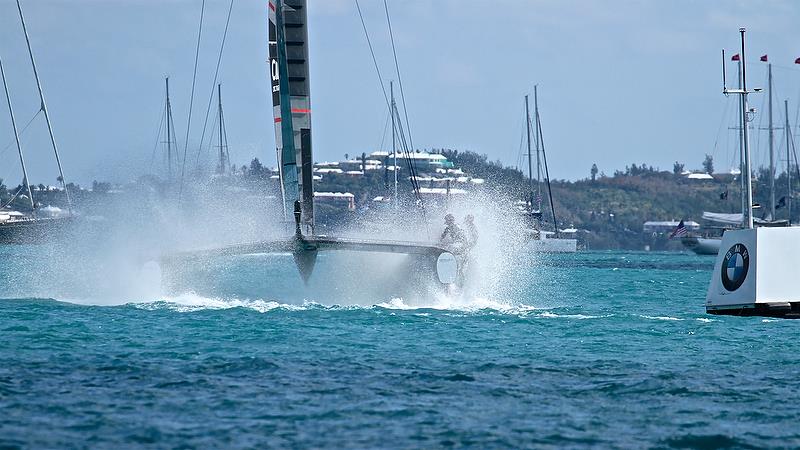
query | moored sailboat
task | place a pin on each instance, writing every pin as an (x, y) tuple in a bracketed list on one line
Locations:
[(38, 224), (539, 239)]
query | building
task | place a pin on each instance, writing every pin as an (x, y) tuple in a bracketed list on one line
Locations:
[(343, 199), (668, 226)]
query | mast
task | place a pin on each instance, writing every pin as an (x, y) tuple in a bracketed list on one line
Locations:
[(16, 138), (44, 110), (537, 140), (530, 162), (169, 131), (221, 132), (771, 149), (742, 124), (394, 140), (538, 122), (748, 210), (788, 163)]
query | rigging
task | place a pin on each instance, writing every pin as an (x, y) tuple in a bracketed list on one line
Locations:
[(191, 97), (213, 85)]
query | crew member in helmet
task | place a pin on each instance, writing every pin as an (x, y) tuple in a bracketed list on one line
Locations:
[(452, 236)]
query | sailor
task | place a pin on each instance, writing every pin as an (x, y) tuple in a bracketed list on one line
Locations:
[(452, 236), (472, 231)]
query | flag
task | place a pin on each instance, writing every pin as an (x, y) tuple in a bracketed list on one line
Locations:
[(764, 58), (736, 57), (679, 231), (797, 61)]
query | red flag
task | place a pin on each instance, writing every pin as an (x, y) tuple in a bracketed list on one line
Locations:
[(736, 57), (764, 58), (797, 61)]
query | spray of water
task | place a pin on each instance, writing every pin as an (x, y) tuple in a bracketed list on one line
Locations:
[(112, 255)]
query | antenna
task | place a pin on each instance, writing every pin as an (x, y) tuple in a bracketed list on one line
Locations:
[(744, 66), (724, 78)]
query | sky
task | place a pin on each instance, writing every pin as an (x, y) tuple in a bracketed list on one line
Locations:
[(620, 81)]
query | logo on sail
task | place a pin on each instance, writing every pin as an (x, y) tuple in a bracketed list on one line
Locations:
[(735, 266)]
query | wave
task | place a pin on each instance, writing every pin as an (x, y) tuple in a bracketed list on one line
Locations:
[(191, 302), (457, 303), (552, 315)]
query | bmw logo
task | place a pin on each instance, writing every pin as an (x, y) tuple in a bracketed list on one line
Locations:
[(734, 267)]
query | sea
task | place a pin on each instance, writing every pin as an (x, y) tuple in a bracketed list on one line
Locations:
[(598, 349)]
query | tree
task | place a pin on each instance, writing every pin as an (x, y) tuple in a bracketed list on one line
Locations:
[(708, 164), (594, 172), (256, 168), (677, 168), (101, 187)]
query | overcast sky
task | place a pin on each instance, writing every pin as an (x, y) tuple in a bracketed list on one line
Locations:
[(619, 81)]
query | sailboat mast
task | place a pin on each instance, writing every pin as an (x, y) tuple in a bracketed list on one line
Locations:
[(221, 148), (788, 162), (16, 138), (538, 147), (394, 140), (44, 110), (530, 158), (538, 121), (771, 149), (169, 131)]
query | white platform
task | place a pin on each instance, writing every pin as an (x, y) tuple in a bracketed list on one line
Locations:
[(757, 272)]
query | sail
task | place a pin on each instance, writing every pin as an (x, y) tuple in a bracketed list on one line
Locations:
[(291, 102)]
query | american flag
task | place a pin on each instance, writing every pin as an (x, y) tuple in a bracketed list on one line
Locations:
[(679, 231)]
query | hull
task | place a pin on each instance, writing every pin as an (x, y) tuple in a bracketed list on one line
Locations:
[(702, 246), (754, 274), (348, 265), (553, 245), (38, 231)]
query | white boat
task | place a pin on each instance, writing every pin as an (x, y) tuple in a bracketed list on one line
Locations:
[(702, 245), (547, 242)]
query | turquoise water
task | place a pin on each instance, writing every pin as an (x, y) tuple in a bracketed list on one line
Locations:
[(597, 349)]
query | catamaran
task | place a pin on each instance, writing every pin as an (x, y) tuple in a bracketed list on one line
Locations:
[(289, 72)]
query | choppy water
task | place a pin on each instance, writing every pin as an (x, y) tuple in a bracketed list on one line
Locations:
[(594, 349)]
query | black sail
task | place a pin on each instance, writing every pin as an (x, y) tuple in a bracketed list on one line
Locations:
[(291, 101)]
